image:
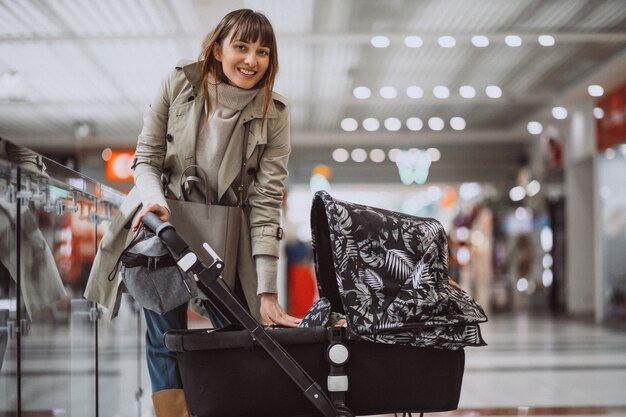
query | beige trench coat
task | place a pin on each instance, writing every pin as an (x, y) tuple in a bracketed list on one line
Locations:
[(168, 144)]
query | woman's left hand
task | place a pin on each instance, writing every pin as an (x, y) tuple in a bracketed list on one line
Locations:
[(272, 313)]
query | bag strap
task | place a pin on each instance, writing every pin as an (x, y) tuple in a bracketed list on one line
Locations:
[(204, 180), (244, 146)]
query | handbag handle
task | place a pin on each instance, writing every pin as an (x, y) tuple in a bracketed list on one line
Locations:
[(193, 178), (207, 189)]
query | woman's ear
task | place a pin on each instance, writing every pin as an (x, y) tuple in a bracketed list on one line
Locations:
[(217, 51)]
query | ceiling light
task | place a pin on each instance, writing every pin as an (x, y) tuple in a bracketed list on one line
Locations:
[(377, 155), (349, 124), (371, 124), (546, 40), (388, 92), (415, 92), (480, 41), (107, 153), (358, 155), (559, 113), (547, 261), (380, 41), (534, 128), (413, 41), (393, 124), (595, 90), (436, 123), (441, 91), (414, 123), (609, 154), (434, 154), (446, 42), (457, 123), (340, 155), (517, 193), (467, 91), (362, 92), (546, 237), (493, 91), (393, 154), (522, 284), (598, 112), (513, 41), (533, 188), (547, 277)]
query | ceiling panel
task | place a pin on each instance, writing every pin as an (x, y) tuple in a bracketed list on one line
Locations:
[(101, 61)]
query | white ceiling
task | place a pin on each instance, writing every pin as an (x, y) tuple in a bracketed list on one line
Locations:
[(99, 61)]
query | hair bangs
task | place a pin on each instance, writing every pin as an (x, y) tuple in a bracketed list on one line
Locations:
[(252, 27)]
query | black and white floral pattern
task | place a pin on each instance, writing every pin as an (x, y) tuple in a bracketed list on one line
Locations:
[(391, 272)]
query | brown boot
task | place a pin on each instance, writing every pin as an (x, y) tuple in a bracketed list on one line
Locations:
[(170, 403)]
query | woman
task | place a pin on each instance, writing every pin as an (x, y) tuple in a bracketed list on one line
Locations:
[(197, 118)]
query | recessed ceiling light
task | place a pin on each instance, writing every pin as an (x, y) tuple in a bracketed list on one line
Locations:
[(480, 41), (493, 91), (371, 124), (559, 113), (598, 112), (362, 92), (393, 154), (349, 124), (414, 123), (534, 128), (446, 41), (434, 154), (441, 91), (415, 92), (513, 41), (377, 155), (457, 123), (609, 154), (358, 155), (595, 90), (436, 123), (546, 40), (380, 42), (388, 92), (467, 91), (393, 124), (517, 193), (413, 41), (341, 155)]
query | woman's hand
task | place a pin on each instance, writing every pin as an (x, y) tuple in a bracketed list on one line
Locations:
[(272, 313), (160, 211)]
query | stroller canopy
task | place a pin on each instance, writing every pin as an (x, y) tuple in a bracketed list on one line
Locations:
[(388, 273)]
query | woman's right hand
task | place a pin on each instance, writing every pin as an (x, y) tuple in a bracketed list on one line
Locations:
[(162, 212)]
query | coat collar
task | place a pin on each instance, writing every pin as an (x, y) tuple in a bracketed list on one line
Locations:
[(254, 110)]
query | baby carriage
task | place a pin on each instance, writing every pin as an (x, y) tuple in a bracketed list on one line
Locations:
[(401, 349)]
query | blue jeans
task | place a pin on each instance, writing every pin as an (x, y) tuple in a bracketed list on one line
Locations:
[(162, 365)]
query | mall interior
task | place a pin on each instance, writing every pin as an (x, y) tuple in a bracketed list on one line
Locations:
[(504, 120)]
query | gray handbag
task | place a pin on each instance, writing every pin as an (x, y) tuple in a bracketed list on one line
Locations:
[(201, 222), (152, 276)]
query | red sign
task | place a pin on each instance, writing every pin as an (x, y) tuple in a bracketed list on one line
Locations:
[(612, 127), (117, 167)]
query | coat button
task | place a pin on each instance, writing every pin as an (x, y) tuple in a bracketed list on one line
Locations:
[(169, 137), (190, 98), (251, 171)]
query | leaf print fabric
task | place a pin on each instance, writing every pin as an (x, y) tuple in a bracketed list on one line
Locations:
[(388, 273)]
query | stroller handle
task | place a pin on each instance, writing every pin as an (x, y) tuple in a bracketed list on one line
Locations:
[(152, 221), (166, 233)]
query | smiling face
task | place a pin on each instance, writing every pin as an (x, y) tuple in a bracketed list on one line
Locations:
[(243, 63)]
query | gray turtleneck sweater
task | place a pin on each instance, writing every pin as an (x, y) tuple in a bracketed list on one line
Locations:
[(212, 141)]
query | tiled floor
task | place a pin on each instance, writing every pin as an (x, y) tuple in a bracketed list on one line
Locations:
[(543, 366)]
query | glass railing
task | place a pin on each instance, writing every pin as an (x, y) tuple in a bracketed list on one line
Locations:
[(59, 355)]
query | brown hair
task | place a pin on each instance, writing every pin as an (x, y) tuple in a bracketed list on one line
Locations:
[(248, 26)]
